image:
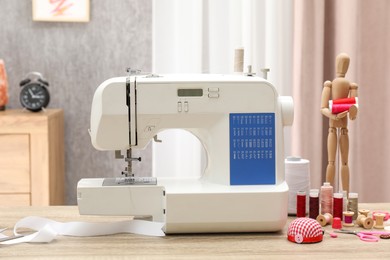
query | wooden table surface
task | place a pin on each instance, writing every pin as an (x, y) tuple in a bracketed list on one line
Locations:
[(201, 246)]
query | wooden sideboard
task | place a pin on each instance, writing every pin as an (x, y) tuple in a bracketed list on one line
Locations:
[(31, 157)]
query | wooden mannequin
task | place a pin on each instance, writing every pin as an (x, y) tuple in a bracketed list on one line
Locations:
[(337, 89)]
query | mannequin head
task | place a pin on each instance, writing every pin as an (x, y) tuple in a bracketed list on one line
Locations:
[(342, 64)]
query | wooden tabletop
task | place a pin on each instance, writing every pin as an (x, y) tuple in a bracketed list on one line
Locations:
[(201, 246)]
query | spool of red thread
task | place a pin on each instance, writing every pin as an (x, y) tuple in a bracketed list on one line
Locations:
[(352, 100), (341, 105), (301, 204), (338, 205), (338, 108), (314, 204)]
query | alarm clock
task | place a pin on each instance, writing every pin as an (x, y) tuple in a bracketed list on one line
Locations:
[(34, 94)]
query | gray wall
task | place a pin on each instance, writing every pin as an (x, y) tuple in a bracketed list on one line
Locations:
[(75, 58)]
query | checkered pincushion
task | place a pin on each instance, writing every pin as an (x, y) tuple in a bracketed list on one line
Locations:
[(304, 230)]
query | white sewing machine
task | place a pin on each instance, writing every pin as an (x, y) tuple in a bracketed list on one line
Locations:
[(239, 120)]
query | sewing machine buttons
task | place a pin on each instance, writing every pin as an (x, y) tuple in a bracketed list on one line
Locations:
[(213, 95), (213, 92), (213, 89), (181, 106)]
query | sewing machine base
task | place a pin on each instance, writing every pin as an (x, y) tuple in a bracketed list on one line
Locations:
[(190, 205)]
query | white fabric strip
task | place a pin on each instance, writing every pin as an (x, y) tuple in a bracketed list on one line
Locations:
[(48, 229)]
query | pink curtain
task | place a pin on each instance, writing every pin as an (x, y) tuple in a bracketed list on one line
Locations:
[(322, 29)]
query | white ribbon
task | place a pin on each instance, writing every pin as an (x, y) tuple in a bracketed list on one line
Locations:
[(47, 229)]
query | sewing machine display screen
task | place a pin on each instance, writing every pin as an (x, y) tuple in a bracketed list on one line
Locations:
[(195, 92), (252, 149)]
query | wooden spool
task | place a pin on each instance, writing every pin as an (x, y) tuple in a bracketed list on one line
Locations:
[(325, 219), (379, 220), (365, 222), (364, 212), (348, 218)]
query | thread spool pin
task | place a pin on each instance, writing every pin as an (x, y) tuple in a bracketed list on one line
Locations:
[(265, 72), (250, 73)]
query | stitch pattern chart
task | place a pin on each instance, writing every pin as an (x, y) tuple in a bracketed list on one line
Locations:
[(252, 149)]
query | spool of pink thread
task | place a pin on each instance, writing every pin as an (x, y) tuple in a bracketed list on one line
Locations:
[(338, 108), (342, 104), (326, 198), (348, 218)]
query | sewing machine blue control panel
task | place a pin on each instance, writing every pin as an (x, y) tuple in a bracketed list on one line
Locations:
[(252, 149)]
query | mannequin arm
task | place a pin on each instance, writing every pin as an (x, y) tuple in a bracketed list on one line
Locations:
[(353, 90), (326, 91)]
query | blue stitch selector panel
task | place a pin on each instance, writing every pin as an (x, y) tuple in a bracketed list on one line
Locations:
[(252, 149)]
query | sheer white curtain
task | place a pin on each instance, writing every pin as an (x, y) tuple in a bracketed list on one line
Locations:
[(200, 36)]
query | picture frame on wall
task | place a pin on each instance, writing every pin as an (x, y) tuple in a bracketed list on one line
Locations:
[(61, 10)]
